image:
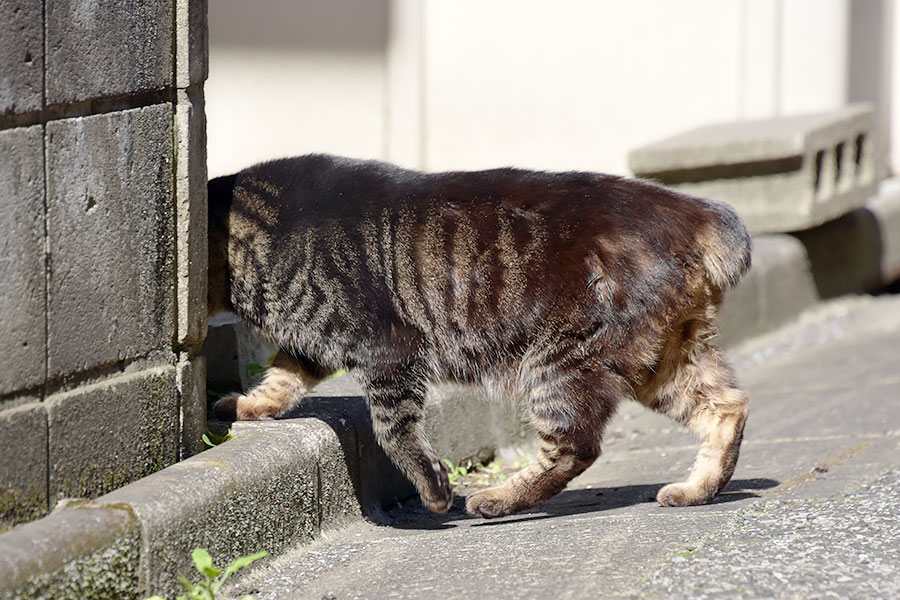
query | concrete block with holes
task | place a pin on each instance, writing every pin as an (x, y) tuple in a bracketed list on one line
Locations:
[(782, 174)]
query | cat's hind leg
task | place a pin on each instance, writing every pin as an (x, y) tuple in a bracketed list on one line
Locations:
[(397, 406), (569, 410), (695, 385), (282, 387)]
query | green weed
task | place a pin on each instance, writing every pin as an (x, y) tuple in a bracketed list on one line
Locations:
[(215, 577), (455, 472), (211, 438)]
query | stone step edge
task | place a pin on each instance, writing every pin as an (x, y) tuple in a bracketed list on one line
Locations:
[(272, 485)]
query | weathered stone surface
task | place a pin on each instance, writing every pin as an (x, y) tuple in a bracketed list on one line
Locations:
[(192, 42), (374, 481), (105, 435), (462, 423), (22, 49), (778, 287), (23, 468), (73, 554), (107, 48), (191, 216), (859, 252), (258, 491), (885, 206), (191, 382), (782, 174), (111, 230), (22, 271)]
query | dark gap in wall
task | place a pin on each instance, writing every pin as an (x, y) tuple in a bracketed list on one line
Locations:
[(857, 155), (838, 161), (732, 171), (87, 108), (820, 157), (44, 151)]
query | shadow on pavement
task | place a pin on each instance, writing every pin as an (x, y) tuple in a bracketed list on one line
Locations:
[(412, 515)]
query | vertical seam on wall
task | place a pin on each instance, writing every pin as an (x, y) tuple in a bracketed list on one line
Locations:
[(420, 42), (742, 60), (779, 50), (44, 196), (386, 93), (319, 491), (173, 170)]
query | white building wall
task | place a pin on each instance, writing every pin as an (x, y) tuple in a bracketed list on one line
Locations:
[(570, 84)]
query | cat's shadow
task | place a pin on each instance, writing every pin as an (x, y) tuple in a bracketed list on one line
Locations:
[(413, 515), (387, 497)]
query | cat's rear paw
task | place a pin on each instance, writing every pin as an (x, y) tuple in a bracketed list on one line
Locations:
[(683, 494)]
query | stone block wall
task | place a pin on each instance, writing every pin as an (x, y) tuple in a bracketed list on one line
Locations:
[(102, 245)]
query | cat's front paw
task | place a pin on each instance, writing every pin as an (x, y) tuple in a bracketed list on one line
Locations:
[(438, 496), (225, 408), (683, 494), (240, 407), (491, 503)]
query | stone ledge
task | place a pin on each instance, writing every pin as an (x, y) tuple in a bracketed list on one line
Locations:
[(75, 553), (272, 485), (781, 174)]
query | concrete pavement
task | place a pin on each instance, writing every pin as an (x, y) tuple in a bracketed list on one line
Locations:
[(812, 510)]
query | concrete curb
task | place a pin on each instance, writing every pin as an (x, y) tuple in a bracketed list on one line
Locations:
[(276, 484)]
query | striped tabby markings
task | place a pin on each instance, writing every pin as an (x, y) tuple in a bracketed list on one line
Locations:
[(368, 230), (386, 250), (340, 282), (267, 187), (432, 269), (300, 284), (464, 249), (254, 202), (514, 282), (407, 277)]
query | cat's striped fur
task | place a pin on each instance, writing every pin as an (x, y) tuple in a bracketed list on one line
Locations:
[(566, 291)]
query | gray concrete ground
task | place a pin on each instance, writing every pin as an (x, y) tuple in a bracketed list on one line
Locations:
[(811, 512)]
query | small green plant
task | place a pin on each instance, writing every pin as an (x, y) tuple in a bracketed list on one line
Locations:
[(455, 472), (211, 438), (254, 369), (206, 590), (337, 373)]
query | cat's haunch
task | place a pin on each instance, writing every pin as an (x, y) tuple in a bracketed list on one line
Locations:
[(568, 291)]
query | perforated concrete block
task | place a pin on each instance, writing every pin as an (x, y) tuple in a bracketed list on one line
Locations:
[(783, 174)]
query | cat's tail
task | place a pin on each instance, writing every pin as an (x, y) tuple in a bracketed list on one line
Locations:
[(726, 247)]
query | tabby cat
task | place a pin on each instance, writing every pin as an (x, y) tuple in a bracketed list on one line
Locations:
[(564, 291)]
